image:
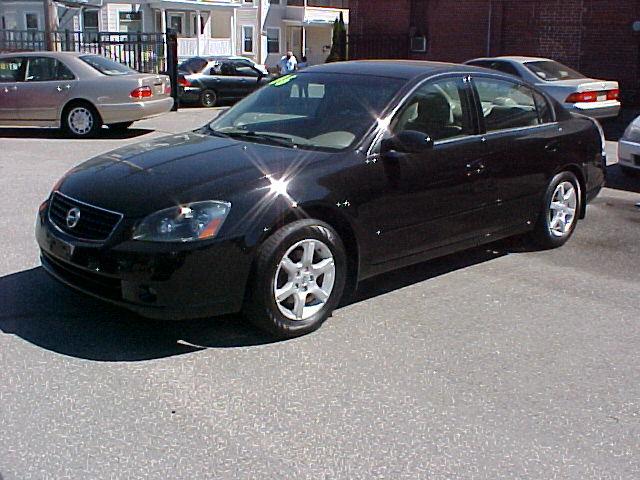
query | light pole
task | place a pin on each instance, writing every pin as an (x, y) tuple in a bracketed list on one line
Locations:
[(48, 19)]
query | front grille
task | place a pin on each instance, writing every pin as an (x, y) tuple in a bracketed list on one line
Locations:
[(95, 223), (101, 285)]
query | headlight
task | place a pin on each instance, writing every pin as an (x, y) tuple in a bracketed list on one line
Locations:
[(184, 223), (632, 133)]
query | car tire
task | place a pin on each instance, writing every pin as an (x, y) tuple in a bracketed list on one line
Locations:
[(81, 120), (631, 172), (120, 127), (306, 262), (560, 211), (208, 98)]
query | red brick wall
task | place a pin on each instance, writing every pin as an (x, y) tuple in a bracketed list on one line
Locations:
[(594, 36)]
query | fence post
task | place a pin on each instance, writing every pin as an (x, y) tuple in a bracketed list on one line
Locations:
[(172, 65)]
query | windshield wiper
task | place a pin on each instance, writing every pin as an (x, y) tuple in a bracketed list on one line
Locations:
[(269, 137)]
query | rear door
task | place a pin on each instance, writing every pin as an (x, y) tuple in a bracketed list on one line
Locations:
[(47, 87), (521, 143), (11, 76)]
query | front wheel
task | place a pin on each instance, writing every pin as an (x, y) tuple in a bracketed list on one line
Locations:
[(560, 211), (81, 121), (298, 279)]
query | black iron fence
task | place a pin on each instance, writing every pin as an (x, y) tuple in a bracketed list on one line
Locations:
[(370, 46), (145, 52)]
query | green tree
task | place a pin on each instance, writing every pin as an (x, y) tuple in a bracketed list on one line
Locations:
[(339, 41)]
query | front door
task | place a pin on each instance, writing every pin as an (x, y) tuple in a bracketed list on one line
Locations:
[(421, 201), (47, 87), (11, 76)]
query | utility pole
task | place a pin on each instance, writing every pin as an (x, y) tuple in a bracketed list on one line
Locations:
[(48, 24)]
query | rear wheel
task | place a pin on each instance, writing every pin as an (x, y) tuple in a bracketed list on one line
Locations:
[(298, 279), (559, 215), (81, 120), (120, 127), (208, 98)]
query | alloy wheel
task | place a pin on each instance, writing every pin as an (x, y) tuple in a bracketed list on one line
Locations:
[(562, 210), (304, 279), (80, 121)]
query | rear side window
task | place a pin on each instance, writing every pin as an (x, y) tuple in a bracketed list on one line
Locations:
[(506, 105), (10, 69), (46, 69), (545, 110), (193, 65), (106, 66), (505, 67)]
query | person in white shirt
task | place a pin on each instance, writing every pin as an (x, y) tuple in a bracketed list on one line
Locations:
[(288, 64)]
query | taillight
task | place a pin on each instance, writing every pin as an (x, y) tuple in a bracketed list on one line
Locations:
[(167, 89), (184, 82), (582, 97), (141, 92), (613, 94)]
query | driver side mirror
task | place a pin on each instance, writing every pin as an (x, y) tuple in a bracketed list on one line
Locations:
[(407, 141)]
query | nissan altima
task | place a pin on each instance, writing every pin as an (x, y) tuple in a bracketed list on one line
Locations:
[(316, 181)]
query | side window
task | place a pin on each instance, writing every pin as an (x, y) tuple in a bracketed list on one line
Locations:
[(11, 70), (227, 69), (244, 70), (545, 110), (505, 68), (42, 69), (435, 109), (505, 104)]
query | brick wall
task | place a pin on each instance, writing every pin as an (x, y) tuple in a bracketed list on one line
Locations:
[(593, 36)]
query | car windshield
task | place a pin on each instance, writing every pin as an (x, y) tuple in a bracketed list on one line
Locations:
[(106, 66), (553, 71), (310, 110)]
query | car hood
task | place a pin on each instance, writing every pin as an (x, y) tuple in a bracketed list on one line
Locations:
[(142, 178)]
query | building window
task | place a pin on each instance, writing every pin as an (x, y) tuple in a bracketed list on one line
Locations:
[(247, 39), (274, 2), (130, 22), (176, 23), (273, 40), (31, 21), (90, 25)]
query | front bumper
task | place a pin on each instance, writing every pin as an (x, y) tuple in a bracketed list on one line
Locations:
[(629, 154), (133, 111), (155, 280), (599, 110)]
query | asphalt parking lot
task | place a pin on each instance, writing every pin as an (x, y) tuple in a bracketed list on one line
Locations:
[(498, 362)]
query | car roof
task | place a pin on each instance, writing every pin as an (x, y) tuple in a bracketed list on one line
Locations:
[(513, 58), (402, 69)]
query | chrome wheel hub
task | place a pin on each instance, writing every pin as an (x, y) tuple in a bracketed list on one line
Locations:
[(304, 279), (562, 210), (80, 120)]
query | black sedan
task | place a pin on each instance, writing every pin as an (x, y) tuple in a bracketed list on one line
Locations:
[(339, 173), (206, 81)]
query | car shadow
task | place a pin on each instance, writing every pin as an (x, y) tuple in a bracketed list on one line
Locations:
[(622, 181), (57, 134), (45, 313)]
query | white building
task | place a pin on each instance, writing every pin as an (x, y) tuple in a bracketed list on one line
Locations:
[(259, 29)]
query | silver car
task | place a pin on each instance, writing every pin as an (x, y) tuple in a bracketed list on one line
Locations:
[(629, 148), (588, 96), (77, 92)]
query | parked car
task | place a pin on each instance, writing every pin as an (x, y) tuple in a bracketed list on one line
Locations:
[(208, 80), (629, 149), (318, 180), (77, 92), (577, 93)]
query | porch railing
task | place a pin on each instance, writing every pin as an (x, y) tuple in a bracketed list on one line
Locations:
[(144, 52)]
